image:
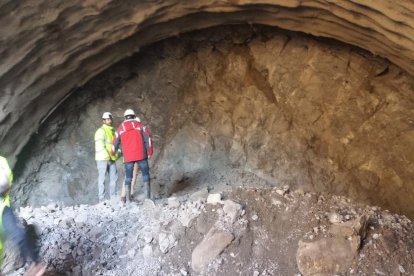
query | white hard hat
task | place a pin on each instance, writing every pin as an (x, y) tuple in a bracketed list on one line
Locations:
[(107, 115), (129, 112)]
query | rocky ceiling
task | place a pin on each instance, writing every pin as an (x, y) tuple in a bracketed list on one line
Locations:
[(48, 48)]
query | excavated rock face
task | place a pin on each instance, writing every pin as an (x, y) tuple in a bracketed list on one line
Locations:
[(234, 103), (49, 47)]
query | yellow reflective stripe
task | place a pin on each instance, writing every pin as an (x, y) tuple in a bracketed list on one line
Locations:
[(4, 202)]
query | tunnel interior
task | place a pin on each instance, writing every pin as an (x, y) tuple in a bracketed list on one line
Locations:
[(239, 105), (282, 129)]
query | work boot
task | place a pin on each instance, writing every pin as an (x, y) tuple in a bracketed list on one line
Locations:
[(123, 200), (128, 193), (147, 190)]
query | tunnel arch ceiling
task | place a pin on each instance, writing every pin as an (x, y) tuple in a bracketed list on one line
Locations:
[(50, 47)]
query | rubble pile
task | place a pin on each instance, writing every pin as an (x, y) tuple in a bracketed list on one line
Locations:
[(250, 231)]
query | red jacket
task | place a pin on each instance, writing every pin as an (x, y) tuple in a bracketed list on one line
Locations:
[(135, 141)]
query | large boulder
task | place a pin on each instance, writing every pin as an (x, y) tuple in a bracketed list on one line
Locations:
[(209, 248), (333, 254)]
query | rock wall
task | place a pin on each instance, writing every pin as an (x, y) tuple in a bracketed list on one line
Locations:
[(226, 104), (48, 48)]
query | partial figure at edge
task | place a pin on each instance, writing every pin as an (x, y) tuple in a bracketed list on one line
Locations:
[(10, 227)]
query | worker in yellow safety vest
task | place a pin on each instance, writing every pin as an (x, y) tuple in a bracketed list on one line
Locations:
[(105, 161), (10, 227)]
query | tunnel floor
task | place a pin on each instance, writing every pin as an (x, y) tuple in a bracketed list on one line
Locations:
[(266, 227)]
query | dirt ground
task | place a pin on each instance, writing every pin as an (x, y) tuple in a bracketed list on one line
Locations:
[(113, 239), (269, 244)]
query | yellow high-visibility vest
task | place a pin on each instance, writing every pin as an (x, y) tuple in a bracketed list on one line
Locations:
[(5, 201), (5, 165), (103, 143)]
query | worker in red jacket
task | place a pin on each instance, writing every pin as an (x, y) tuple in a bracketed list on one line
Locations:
[(136, 145)]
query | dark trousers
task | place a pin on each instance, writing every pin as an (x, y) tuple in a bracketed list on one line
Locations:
[(129, 171)]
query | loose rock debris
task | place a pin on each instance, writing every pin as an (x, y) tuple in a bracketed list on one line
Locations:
[(250, 231)]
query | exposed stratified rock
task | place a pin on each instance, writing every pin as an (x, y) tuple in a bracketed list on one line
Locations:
[(50, 48), (231, 104)]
